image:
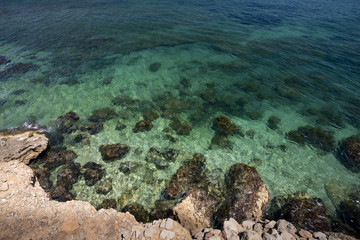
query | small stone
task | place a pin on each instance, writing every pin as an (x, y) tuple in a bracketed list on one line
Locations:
[(169, 224), (250, 235), (4, 186), (258, 227), (165, 234), (282, 225), (248, 224), (271, 224), (334, 238), (305, 234), (287, 236), (233, 225), (320, 235), (274, 231), (267, 236)]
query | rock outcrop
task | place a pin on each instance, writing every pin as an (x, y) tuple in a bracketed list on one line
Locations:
[(22, 146), (26, 212)]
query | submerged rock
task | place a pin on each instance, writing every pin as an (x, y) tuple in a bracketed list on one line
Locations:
[(156, 157), (16, 69), (222, 141), (247, 195), (150, 115), (66, 123), (350, 210), (138, 211), (349, 150), (103, 187), (273, 122), (223, 126), (154, 67), (59, 159), (22, 145), (162, 209), (92, 173), (315, 136), (107, 204), (123, 101), (93, 128), (113, 151), (128, 167), (181, 128), (143, 125), (301, 210), (184, 176), (82, 138), (43, 176), (102, 114)]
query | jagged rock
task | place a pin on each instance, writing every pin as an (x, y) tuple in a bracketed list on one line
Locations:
[(113, 151), (104, 187), (66, 123), (349, 150), (247, 195), (128, 167), (22, 145), (92, 173), (185, 175), (315, 136), (59, 159), (93, 128), (102, 114), (143, 125), (195, 210)]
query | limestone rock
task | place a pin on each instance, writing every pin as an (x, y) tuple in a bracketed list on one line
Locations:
[(195, 210), (21, 146), (250, 235)]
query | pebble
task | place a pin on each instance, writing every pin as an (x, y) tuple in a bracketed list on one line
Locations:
[(271, 224), (248, 224)]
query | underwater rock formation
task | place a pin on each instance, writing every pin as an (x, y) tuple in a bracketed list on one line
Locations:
[(59, 158), (92, 173), (104, 187), (123, 100), (350, 209), (138, 211), (161, 159), (143, 125), (67, 176), (189, 173), (66, 122), (107, 204), (273, 122), (247, 196), (93, 128), (113, 151), (181, 128), (43, 176), (150, 115), (162, 209), (223, 126), (312, 135), (16, 69), (303, 211), (128, 167), (22, 145), (102, 114), (154, 67), (349, 150)]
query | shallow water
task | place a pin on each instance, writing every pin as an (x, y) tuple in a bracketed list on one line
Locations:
[(297, 60)]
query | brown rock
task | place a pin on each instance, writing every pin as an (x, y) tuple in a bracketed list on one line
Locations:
[(143, 125), (113, 151), (23, 146)]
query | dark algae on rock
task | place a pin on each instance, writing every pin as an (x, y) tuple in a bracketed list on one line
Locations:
[(349, 151), (113, 151)]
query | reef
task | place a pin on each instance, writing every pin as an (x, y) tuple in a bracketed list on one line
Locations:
[(102, 114), (113, 151), (142, 126)]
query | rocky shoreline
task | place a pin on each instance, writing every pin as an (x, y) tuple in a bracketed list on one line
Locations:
[(27, 210)]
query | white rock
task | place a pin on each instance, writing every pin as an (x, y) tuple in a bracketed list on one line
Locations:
[(258, 227), (282, 225), (320, 235), (165, 234), (151, 233), (287, 236), (248, 224), (271, 224), (169, 224), (4, 186), (267, 236), (250, 235), (233, 225)]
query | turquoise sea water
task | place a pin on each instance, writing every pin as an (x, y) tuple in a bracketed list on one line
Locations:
[(248, 60)]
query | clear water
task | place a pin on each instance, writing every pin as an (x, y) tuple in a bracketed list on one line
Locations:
[(283, 57)]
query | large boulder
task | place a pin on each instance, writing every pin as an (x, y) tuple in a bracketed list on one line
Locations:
[(349, 150), (189, 173), (22, 145), (113, 151), (247, 195), (196, 209)]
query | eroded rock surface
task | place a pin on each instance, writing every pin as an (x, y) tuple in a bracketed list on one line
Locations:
[(23, 146)]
